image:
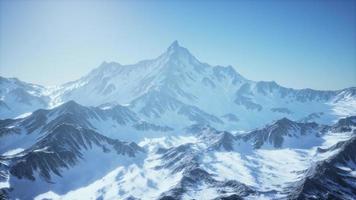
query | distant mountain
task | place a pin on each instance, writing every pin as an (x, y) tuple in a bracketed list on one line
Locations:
[(285, 132), (282, 133), (178, 87), (18, 97), (177, 90)]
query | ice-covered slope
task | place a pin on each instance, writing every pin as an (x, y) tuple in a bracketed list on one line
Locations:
[(18, 97)]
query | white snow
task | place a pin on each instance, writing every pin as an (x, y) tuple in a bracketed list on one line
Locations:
[(138, 180), (23, 115), (13, 152)]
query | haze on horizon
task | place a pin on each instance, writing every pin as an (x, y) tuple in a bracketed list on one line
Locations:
[(298, 44)]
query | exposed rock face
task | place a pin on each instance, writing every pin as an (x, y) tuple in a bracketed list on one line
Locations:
[(63, 148), (344, 125), (194, 177), (332, 178), (276, 133)]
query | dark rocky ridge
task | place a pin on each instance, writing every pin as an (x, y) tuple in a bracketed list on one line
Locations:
[(275, 133), (62, 148), (331, 178)]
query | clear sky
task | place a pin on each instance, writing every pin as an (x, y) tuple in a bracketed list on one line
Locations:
[(297, 43)]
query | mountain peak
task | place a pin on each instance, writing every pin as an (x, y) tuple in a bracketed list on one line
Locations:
[(70, 106), (175, 48), (284, 120), (177, 52), (174, 45)]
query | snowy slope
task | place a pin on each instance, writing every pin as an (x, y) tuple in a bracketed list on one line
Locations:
[(209, 164), (177, 87), (118, 122), (18, 97), (67, 157)]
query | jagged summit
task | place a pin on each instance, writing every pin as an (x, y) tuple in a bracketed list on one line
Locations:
[(178, 53), (174, 45)]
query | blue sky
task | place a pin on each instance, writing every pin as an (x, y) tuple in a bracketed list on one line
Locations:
[(296, 43)]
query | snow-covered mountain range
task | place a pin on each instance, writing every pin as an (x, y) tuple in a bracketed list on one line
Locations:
[(175, 128), (177, 90)]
